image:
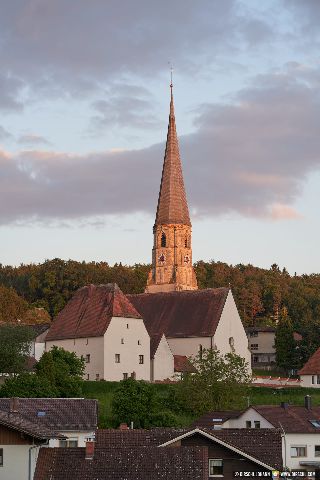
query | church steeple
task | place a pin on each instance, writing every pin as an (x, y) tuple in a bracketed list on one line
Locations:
[(172, 254)]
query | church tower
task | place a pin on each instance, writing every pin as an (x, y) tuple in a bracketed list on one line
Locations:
[(172, 253)]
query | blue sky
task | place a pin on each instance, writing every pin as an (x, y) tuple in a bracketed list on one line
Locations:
[(84, 100)]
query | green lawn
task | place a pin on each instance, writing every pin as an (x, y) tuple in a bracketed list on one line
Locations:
[(103, 392)]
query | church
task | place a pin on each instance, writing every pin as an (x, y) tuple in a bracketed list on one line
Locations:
[(151, 335)]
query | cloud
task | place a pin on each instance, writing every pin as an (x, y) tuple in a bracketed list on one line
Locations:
[(32, 140), (4, 134), (250, 156)]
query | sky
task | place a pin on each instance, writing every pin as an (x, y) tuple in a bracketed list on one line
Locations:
[(84, 104)]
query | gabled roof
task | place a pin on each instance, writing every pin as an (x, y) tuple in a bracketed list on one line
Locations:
[(154, 343), (312, 367), (21, 424), (123, 464), (39, 328), (172, 202), (89, 312), (208, 420), (56, 414), (292, 419), (181, 314), (183, 365)]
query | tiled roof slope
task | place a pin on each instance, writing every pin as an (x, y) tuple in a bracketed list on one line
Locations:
[(154, 343), (312, 367), (17, 422), (183, 365), (89, 312), (208, 420), (293, 419), (181, 314), (58, 414), (261, 444), (172, 202), (123, 464)]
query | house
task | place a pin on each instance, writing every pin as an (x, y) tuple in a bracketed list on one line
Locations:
[(194, 320), (100, 324), (299, 425), (310, 372), (261, 345), (37, 346), (164, 453), (28, 424), (161, 358)]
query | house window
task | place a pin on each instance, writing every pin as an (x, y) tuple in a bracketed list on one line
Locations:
[(139, 343), (257, 424), (88, 358), (317, 450), (163, 240), (255, 359), (125, 376), (254, 346), (68, 443), (1, 457), (298, 451), (117, 358), (312, 379), (88, 376), (200, 351), (215, 467), (97, 376), (127, 325), (122, 341), (248, 424), (87, 341), (318, 379), (141, 359)]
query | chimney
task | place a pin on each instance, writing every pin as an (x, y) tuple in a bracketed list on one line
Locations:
[(13, 405), (90, 448), (123, 426), (133, 375), (307, 402), (284, 405)]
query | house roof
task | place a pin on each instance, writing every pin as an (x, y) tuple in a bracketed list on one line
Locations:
[(293, 419), (18, 422), (172, 202), (208, 420), (119, 463), (39, 328), (58, 414), (312, 367), (183, 365), (154, 343), (89, 312), (260, 329), (181, 314), (263, 445)]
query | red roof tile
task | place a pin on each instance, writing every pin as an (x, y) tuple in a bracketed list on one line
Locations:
[(183, 365), (293, 419), (312, 367), (89, 312), (181, 314), (154, 343)]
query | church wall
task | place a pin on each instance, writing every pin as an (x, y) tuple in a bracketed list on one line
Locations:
[(128, 338), (163, 363), (230, 332), (188, 346)]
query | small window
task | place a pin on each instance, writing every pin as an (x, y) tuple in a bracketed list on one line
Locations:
[(255, 359), (117, 358), (163, 240), (68, 443), (256, 424), (88, 358), (299, 451), (127, 325), (125, 376), (186, 242), (139, 343), (122, 341), (200, 351), (254, 346), (141, 359), (317, 450), (88, 376), (248, 424), (215, 467), (97, 376), (1, 457), (312, 380), (318, 379), (87, 341)]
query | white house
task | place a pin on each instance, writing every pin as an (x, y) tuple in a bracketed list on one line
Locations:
[(310, 372)]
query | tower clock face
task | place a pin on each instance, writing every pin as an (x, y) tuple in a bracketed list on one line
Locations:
[(162, 258), (186, 259)]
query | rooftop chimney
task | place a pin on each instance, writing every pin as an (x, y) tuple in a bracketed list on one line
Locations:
[(123, 426), (307, 402), (133, 375), (14, 405), (90, 448)]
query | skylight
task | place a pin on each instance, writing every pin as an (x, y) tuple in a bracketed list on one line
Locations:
[(41, 413), (315, 423)]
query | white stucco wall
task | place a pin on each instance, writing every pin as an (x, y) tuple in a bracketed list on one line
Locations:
[(163, 362), (188, 346), (306, 381), (248, 415), (16, 462), (39, 348), (80, 436), (230, 326), (94, 346), (301, 439), (136, 341)]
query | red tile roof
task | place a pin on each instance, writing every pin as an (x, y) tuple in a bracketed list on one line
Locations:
[(89, 312), (312, 367), (181, 314), (183, 365), (208, 420), (20, 423), (293, 419), (154, 343)]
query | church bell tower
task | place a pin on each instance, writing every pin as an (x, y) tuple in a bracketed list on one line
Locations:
[(172, 253)]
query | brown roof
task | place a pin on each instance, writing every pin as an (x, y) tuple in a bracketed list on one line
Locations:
[(154, 343), (181, 314), (260, 329), (89, 312), (123, 464), (183, 365), (208, 420), (18, 422), (293, 419), (58, 414), (172, 202), (312, 367)]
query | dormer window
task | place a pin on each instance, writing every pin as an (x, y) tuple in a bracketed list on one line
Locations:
[(163, 240)]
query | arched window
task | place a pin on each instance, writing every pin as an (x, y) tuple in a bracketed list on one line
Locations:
[(163, 240)]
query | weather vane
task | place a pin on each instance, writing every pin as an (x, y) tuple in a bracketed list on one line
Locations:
[(171, 74)]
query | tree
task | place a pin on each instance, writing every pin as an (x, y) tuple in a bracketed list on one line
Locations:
[(221, 382), (28, 385), (12, 307), (285, 344), (14, 348)]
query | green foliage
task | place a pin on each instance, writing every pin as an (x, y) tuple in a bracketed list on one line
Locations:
[(28, 385), (221, 382), (165, 418), (285, 345), (14, 348)]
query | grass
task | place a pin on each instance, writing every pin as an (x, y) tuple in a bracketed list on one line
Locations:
[(104, 391)]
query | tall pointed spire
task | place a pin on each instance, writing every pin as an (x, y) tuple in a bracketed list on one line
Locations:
[(172, 203)]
